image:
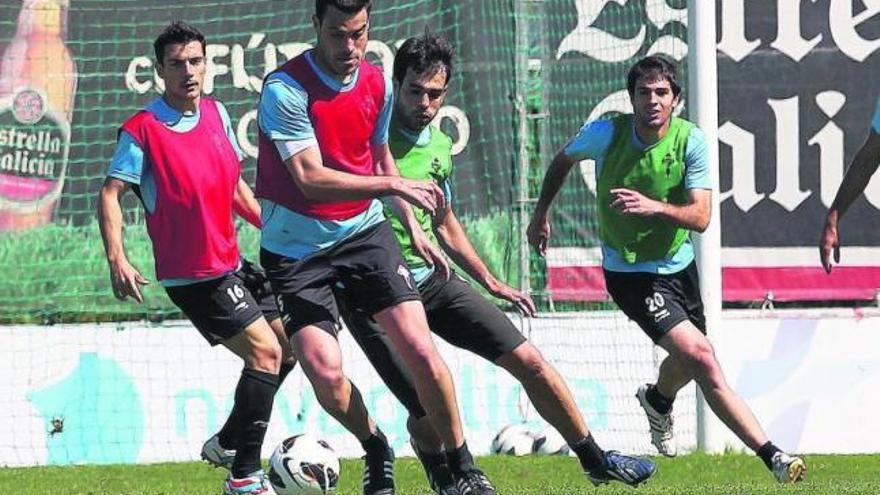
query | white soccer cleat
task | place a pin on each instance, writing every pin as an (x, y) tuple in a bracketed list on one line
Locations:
[(662, 435), (216, 455), (788, 469), (258, 484)]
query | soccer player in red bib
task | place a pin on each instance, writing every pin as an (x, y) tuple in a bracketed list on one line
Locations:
[(323, 161), (180, 157)]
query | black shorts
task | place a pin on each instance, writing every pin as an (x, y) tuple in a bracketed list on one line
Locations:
[(658, 302), (369, 265), (456, 312), (223, 307), (464, 318)]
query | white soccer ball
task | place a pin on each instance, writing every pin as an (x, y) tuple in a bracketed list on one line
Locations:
[(513, 440), (304, 465), (550, 442)]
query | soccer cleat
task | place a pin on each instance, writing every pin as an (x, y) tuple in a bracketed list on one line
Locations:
[(788, 469), (661, 425), (379, 473), (258, 484), (473, 482), (216, 455), (438, 474), (623, 468)]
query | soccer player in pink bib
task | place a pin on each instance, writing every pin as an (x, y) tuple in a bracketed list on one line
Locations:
[(181, 158), (323, 162)]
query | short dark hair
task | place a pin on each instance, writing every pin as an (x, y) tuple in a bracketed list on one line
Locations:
[(422, 53), (176, 32), (653, 67), (346, 6)]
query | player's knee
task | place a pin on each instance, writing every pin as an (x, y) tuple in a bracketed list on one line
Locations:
[(423, 358), (266, 356), (329, 381), (701, 360), (525, 363), (429, 367)]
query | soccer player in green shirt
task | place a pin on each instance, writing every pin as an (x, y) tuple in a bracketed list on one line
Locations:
[(652, 190), (456, 312)]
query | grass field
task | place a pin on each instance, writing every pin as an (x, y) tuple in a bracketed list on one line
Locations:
[(695, 474)]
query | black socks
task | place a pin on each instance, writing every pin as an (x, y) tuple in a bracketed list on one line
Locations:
[(246, 427), (591, 456), (460, 460), (283, 371), (660, 404), (766, 453), (377, 444)]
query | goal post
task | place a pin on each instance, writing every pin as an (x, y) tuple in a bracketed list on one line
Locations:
[(703, 102)]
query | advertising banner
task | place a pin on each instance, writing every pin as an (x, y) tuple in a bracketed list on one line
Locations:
[(797, 88), (135, 393)]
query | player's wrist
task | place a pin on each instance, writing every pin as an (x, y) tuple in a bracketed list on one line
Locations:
[(832, 218), (492, 285), (393, 186), (540, 213), (116, 259)]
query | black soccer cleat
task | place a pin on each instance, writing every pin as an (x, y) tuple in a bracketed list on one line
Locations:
[(473, 482), (379, 473)]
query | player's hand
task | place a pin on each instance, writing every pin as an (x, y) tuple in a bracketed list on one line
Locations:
[(126, 281), (538, 233), (629, 202), (424, 194), (430, 253), (829, 245), (522, 301)]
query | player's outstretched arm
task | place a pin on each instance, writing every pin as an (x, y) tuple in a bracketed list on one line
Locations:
[(456, 244), (320, 183), (125, 279), (246, 205), (538, 232), (693, 216), (854, 182)]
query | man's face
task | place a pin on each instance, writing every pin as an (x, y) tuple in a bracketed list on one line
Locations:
[(183, 70), (342, 40), (419, 97), (653, 102)]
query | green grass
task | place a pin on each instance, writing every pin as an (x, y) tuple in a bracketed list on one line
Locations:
[(688, 475)]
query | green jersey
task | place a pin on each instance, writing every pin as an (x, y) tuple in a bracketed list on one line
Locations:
[(658, 173), (419, 161)]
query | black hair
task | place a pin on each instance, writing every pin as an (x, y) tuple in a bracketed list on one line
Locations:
[(423, 53), (176, 32), (347, 6), (653, 67)]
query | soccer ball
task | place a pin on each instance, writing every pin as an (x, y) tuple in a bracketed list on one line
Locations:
[(513, 440), (304, 465), (550, 442)]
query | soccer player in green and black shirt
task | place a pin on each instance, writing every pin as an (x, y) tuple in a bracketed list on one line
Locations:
[(652, 190), (456, 312)]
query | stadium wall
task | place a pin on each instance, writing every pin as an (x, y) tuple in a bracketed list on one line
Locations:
[(135, 393), (811, 377)]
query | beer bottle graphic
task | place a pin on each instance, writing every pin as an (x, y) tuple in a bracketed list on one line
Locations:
[(37, 87)]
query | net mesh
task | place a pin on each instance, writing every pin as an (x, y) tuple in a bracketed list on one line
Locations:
[(572, 61)]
